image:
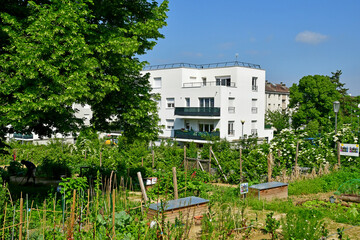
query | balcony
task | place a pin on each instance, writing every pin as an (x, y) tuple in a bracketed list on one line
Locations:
[(184, 134), (198, 111), (204, 84), (22, 136)]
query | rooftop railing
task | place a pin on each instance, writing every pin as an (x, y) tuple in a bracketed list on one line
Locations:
[(202, 66), (204, 84)]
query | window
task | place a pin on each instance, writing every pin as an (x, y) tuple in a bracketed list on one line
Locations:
[(254, 106), (169, 124), (204, 81), (231, 131), (254, 84), (253, 127), (157, 82), (170, 102), (187, 102), (231, 108), (206, 102), (223, 81), (206, 127)]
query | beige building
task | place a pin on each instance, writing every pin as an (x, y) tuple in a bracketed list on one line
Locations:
[(276, 96)]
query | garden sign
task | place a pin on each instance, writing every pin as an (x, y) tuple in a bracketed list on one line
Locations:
[(349, 149)]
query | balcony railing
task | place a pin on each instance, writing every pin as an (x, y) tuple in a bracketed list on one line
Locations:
[(254, 110), (202, 66), (184, 134), (231, 109), (255, 88), (23, 136), (204, 84), (197, 111)]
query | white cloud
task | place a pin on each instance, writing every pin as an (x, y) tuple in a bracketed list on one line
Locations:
[(310, 37)]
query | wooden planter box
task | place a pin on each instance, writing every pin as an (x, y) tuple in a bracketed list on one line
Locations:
[(183, 208), (269, 190), (350, 198)]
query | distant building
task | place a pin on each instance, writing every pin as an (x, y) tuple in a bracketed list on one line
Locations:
[(222, 100), (276, 96)]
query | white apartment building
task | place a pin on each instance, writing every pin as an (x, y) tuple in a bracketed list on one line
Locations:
[(277, 96), (225, 100)]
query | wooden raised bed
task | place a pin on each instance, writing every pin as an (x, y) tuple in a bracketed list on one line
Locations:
[(269, 190), (350, 198), (183, 208)]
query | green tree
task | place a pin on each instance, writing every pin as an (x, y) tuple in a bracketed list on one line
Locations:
[(279, 119), (313, 101), (57, 53)]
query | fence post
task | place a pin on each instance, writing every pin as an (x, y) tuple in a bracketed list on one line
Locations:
[(175, 183), (113, 214), (269, 167), (338, 152), (297, 152), (153, 158), (72, 216), (3, 234), (240, 165)]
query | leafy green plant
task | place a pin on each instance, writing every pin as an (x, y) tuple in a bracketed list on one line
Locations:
[(272, 225)]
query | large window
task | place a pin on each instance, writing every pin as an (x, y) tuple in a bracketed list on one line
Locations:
[(231, 131), (254, 84), (231, 108), (169, 124), (206, 127), (170, 102), (157, 82), (223, 81), (206, 102), (187, 102)]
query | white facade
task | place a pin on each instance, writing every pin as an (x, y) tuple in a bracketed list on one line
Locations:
[(202, 100)]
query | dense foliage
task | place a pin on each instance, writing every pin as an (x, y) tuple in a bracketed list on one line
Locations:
[(57, 53)]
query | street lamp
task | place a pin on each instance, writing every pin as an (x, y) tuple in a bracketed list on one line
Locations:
[(336, 110), (242, 128)]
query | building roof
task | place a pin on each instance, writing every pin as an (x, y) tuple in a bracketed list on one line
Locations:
[(178, 203), (202, 66), (276, 88)]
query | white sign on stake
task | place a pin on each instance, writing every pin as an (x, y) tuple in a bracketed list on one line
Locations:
[(349, 149), (244, 188)]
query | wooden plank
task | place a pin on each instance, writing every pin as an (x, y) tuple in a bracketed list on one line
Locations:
[(218, 164), (142, 186)]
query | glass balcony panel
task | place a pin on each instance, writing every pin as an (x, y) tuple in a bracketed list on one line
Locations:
[(197, 111), (185, 134)]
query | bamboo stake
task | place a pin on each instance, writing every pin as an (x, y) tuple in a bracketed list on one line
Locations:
[(100, 159), (21, 218), (44, 219), (218, 164), (3, 234), (338, 153), (72, 216), (113, 214), (54, 202), (175, 183), (88, 206)]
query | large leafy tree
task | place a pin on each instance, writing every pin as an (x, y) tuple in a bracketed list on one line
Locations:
[(313, 101), (279, 119), (60, 52)]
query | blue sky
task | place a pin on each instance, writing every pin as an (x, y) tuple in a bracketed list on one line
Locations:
[(288, 38)]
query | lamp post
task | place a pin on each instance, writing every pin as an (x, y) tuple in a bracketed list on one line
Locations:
[(242, 128), (336, 110)]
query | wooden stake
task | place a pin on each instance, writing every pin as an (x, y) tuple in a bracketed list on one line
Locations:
[(100, 159), (186, 167), (3, 234), (297, 153), (113, 214), (176, 196), (210, 161), (338, 153), (21, 217), (153, 158), (269, 167), (142, 186), (240, 165), (218, 164), (72, 216), (44, 218)]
